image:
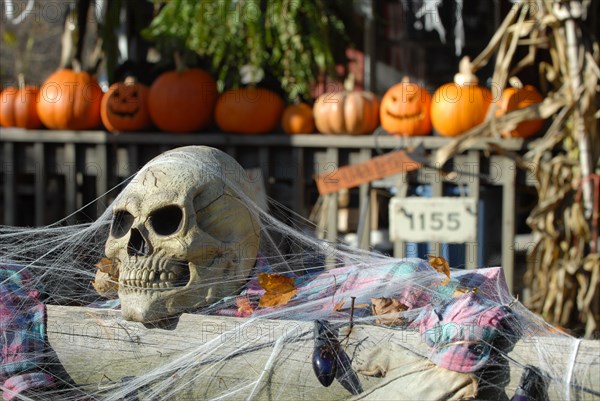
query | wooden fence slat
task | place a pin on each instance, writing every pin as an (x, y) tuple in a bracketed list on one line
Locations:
[(299, 182), (364, 208), (437, 190), (102, 176), (40, 184), (474, 189), (10, 170), (508, 172), (401, 192), (70, 172)]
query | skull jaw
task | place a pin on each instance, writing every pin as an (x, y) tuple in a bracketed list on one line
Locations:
[(150, 306), (145, 306)]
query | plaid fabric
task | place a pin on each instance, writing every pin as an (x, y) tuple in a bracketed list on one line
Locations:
[(27, 381), (466, 333), (22, 329)]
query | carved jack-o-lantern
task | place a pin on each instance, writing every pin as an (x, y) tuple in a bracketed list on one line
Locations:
[(405, 109), (125, 108)]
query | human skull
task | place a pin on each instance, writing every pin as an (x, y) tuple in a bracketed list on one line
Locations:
[(183, 233)]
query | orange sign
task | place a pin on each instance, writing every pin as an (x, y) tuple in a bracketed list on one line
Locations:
[(374, 169)]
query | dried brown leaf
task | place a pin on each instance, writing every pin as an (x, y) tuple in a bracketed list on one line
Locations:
[(388, 309), (106, 265), (105, 285), (441, 265), (279, 289)]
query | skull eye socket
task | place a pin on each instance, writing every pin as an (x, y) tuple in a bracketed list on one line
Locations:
[(166, 220), (122, 222)]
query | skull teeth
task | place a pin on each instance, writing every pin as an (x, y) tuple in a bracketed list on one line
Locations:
[(154, 279)]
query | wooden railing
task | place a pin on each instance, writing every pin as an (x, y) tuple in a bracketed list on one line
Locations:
[(47, 175)]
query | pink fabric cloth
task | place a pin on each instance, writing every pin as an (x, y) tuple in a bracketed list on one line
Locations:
[(22, 333)]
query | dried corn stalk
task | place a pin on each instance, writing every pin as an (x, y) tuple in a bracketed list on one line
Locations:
[(564, 264)]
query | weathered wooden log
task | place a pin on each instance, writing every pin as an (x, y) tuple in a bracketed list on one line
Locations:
[(206, 357)]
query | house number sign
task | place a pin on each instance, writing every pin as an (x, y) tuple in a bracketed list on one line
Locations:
[(449, 220)]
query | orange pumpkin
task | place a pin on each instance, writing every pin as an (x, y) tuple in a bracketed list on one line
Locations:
[(7, 106), (405, 109), (347, 112), (459, 106), (249, 110), (70, 99), (26, 115), (125, 107), (514, 98), (183, 100), (298, 119), (19, 108)]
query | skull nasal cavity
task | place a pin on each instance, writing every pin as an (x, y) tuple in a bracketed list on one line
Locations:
[(137, 245), (166, 220)]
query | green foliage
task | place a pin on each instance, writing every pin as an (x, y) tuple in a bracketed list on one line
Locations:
[(293, 40)]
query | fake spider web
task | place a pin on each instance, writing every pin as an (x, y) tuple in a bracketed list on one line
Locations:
[(375, 327)]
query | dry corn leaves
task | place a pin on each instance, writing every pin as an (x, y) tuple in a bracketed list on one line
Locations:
[(388, 310), (441, 265), (106, 282), (279, 289)]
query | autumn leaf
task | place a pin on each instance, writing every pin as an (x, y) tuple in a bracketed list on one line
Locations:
[(386, 306), (279, 289), (106, 265), (461, 291), (107, 276), (441, 265), (244, 307)]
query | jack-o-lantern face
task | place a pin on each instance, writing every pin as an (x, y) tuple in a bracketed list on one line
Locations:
[(124, 102), (124, 107), (405, 110)]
